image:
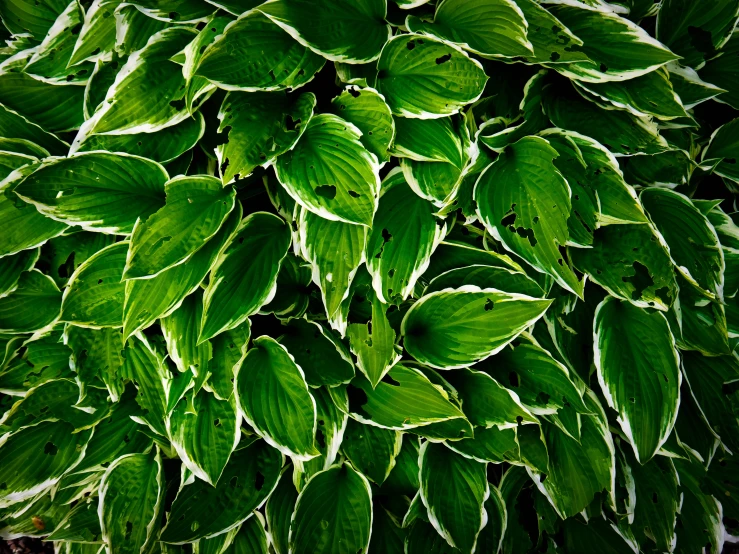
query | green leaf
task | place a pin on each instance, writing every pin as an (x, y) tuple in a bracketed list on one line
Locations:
[(491, 536), (24, 16), (180, 331), (330, 173), (45, 358), (371, 450), (286, 415), (482, 275), (205, 439), (13, 266), (259, 127), (445, 329), (698, 506), (149, 299), (374, 343), (335, 249), (598, 535), (161, 146), (543, 384), (688, 85), (339, 30), (656, 484), (32, 306), (130, 107), (279, 511), (201, 510), (387, 535), (490, 28), (97, 35), (244, 275), (523, 199), (724, 147), (131, 494), (403, 237), (668, 169), (453, 489), (702, 324), (722, 71), (638, 371), (486, 403), (98, 191), (367, 110), (195, 209), (711, 384), (333, 513), (649, 95), (630, 262), (14, 125), (323, 359), (252, 537), (618, 130), (628, 52), (35, 458), (255, 54), (430, 140), (146, 369), (229, 349), (680, 23), (691, 239), (489, 445), (404, 400), (414, 84), (94, 296)]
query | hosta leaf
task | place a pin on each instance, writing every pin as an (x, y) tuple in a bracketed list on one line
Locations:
[(724, 147), (698, 506), (97, 35), (374, 343), (404, 400), (577, 470), (491, 536), (627, 52), (679, 23), (702, 324), (637, 365), (436, 182), (274, 397), (14, 125), (293, 282), (98, 191), (201, 510), (489, 445), (688, 85), (150, 299), (367, 110), (429, 140), (722, 71), (331, 424), (161, 146), (482, 275), (339, 30), (229, 349), (630, 262), (13, 266), (453, 489), (33, 305), (45, 358), (387, 535), (55, 108), (486, 403), (657, 483), (330, 173), (542, 383), (81, 523), (130, 501), (453, 255), (523, 199), (692, 240), (371, 450), (235, 290), (403, 478), (426, 78), (319, 354), (333, 513), (597, 536), (552, 41), (35, 458), (444, 329), (259, 127), (94, 296), (279, 511), (185, 11), (618, 130), (491, 28), (403, 237), (24, 16), (133, 29), (195, 209), (335, 250), (255, 54), (205, 439), (252, 537), (130, 107), (649, 95), (710, 379)]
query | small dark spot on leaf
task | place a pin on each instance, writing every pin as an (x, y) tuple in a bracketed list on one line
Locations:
[(443, 59)]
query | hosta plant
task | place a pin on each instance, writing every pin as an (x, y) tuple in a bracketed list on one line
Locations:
[(369, 276)]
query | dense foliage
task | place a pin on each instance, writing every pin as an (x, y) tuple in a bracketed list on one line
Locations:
[(350, 276)]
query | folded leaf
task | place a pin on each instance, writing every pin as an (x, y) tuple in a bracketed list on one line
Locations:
[(33, 305)]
